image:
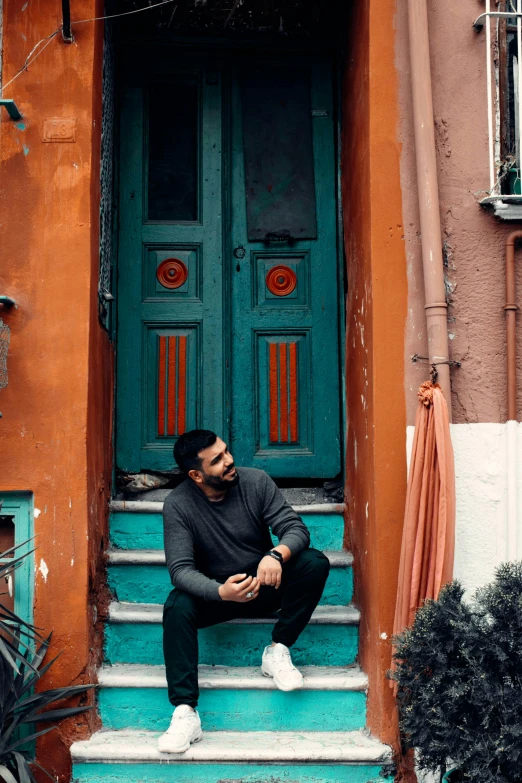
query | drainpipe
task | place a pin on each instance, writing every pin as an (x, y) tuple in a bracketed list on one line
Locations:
[(511, 309), (428, 194)]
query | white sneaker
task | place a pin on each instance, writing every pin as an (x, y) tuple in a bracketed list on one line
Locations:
[(277, 663), (185, 728)]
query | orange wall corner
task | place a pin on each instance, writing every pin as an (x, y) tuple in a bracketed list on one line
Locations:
[(375, 331)]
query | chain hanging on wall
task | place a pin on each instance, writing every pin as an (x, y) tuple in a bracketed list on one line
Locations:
[(105, 296), (5, 336)]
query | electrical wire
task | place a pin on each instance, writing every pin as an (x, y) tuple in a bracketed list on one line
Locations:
[(28, 60), (51, 36), (125, 13)]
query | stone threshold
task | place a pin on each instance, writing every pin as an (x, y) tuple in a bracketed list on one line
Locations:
[(156, 507)]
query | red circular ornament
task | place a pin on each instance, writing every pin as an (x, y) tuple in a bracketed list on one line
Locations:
[(281, 280), (172, 273)]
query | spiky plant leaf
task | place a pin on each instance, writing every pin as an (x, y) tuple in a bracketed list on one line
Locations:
[(7, 775), (22, 655)]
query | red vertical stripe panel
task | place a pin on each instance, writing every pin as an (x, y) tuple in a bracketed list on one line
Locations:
[(272, 380), (294, 435), (283, 391), (182, 385), (171, 387), (161, 385)]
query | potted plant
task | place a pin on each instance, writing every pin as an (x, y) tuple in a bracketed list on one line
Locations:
[(22, 654), (459, 682)]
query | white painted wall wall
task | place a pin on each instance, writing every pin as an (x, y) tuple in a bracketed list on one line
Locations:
[(481, 484)]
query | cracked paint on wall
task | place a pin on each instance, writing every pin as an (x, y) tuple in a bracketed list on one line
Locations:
[(43, 569)]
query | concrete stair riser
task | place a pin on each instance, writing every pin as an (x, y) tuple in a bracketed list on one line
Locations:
[(145, 530), (228, 773), (232, 710), (233, 644), (151, 584)]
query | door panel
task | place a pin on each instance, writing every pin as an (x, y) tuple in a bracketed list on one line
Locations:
[(170, 362), (285, 359), (245, 343)]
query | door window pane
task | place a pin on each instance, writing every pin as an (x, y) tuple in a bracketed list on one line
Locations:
[(277, 139), (173, 152), (7, 540)]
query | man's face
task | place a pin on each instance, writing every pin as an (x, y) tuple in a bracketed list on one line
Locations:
[(217, 467)]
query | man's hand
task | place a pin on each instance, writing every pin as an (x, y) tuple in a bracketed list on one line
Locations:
[(239, 589), (269, 572)]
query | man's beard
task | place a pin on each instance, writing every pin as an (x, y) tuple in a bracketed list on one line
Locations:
[(219, 483)]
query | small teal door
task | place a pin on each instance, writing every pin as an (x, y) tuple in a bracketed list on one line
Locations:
[(227, 262)]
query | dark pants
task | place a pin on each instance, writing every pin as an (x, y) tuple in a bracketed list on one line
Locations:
[(302, 585)]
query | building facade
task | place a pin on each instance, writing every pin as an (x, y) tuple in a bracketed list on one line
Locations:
[(217, 210)]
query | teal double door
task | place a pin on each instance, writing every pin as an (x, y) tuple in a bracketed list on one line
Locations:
[(228, 281)]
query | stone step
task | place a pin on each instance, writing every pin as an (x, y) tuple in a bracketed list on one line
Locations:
[(134, 635), (140, 575), (307, 757), (332, 699), (139, 525), (316, 678), (156, 507), (337, 558), (124, 612)]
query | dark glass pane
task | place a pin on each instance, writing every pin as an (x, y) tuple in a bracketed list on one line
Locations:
[(173, 152), (7, 533), (277, 139), (7, 540)]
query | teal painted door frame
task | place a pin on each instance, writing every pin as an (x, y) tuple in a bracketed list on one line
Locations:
[(219, 339)]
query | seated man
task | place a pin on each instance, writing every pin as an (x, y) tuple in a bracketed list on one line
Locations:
[(223, 565)]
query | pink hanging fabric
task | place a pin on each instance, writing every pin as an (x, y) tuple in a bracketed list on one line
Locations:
[(428, 538)]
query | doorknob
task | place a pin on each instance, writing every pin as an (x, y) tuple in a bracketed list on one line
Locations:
[(239, 253)]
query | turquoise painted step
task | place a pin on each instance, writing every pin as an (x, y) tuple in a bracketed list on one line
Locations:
[(141, 576), (333, 699), (227, 773), (139, 525), (134, 635), (249, 757)]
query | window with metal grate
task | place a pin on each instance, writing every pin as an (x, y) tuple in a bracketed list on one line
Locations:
[(502, 30)]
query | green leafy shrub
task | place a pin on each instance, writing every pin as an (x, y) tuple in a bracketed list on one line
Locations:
[(459, 681), (22, 655)]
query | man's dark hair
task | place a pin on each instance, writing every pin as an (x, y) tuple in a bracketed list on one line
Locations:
[(188, 447)]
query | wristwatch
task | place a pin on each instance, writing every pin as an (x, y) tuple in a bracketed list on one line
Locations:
[(277, 555)]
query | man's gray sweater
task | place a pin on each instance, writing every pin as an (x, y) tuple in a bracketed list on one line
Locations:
[(206, 541)]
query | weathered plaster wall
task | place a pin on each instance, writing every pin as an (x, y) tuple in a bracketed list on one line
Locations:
[(475, 268), (376, 315), (473, 239), (481, 483), (55, 430)]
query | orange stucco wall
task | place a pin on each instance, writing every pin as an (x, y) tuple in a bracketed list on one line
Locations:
[(55, 430), (376, 315)]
